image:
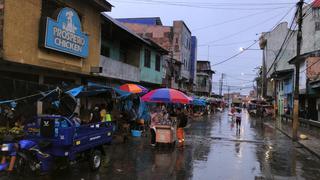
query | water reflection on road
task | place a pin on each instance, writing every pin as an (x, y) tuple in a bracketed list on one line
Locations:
[(215, 149), (255, 151)]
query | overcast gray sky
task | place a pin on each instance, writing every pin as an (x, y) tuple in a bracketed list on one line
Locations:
[(223, 28)]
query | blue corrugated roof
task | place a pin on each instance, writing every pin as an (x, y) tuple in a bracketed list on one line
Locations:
[(146, 21)]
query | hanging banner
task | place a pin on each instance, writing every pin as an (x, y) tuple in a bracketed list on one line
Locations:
[(65, 34)]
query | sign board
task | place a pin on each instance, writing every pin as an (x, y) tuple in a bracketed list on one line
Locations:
[(65, 34)]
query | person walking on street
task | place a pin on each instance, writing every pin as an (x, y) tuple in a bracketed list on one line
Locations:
[(238, 117), (232, 113)]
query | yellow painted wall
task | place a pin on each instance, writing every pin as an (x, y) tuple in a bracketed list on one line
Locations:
[(21, 35)]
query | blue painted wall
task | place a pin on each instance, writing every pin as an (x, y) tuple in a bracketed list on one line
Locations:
[(193, 58)]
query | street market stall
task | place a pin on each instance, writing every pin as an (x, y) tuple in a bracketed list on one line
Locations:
[(165, 127), (59, 135)]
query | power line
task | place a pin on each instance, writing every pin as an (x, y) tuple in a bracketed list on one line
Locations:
[(227, 44), (310, 66), (230, 20), (232, 57), (289, 33), (310, 7), (282, 18), (208, 6), (221, 4), (243, 30)]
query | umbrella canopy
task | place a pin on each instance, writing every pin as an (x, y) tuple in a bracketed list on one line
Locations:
[(133, 88), (199, 102), (166, 95)]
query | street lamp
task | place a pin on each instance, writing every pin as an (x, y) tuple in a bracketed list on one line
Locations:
[(245, 49)]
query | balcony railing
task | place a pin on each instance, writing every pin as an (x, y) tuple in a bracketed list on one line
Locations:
[(202, 89), (119, 70)]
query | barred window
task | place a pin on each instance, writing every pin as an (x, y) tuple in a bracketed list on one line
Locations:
[(317, 26)]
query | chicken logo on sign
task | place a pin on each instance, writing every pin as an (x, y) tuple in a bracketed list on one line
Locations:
[(69, 26)]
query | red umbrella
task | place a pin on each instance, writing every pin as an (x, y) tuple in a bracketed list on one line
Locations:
[(166, 95)]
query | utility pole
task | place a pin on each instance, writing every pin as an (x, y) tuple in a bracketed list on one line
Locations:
[(295, 121), (221, 84), (229, 96), (208, 52)]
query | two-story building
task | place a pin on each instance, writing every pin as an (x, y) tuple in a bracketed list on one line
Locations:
[(309, 86), (177, 40), (127, 57), (279, 74), (45, 43), (51, 43)]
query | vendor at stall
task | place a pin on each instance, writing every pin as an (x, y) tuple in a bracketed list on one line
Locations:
[(182, 123), (154, 121)]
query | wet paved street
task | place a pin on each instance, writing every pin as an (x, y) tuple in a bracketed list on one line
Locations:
[(214, 150)]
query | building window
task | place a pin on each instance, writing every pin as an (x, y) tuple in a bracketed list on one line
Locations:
[(317, 26), (105, 50), (147, 58), (123, 53), (158, 63)]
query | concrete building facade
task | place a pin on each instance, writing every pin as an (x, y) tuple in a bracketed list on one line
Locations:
[(51, 43), (282, 71), (23, 52), (47, 43), (176, 39), (277, 72), (127, 57), (193, 59), (203, 79)]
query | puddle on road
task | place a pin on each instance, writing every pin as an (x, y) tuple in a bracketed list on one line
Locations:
[(213, 150)]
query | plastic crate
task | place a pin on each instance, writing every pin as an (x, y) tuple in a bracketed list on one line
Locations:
[(136, 133)]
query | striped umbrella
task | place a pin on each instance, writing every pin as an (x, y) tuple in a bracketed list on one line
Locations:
[(166, 95)]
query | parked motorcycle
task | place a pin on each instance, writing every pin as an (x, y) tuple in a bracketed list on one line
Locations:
[(22, 156)]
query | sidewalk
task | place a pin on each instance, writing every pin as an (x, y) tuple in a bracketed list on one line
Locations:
[(312, 143)]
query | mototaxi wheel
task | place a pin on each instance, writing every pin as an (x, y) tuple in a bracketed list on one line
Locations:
[(95, 160)]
